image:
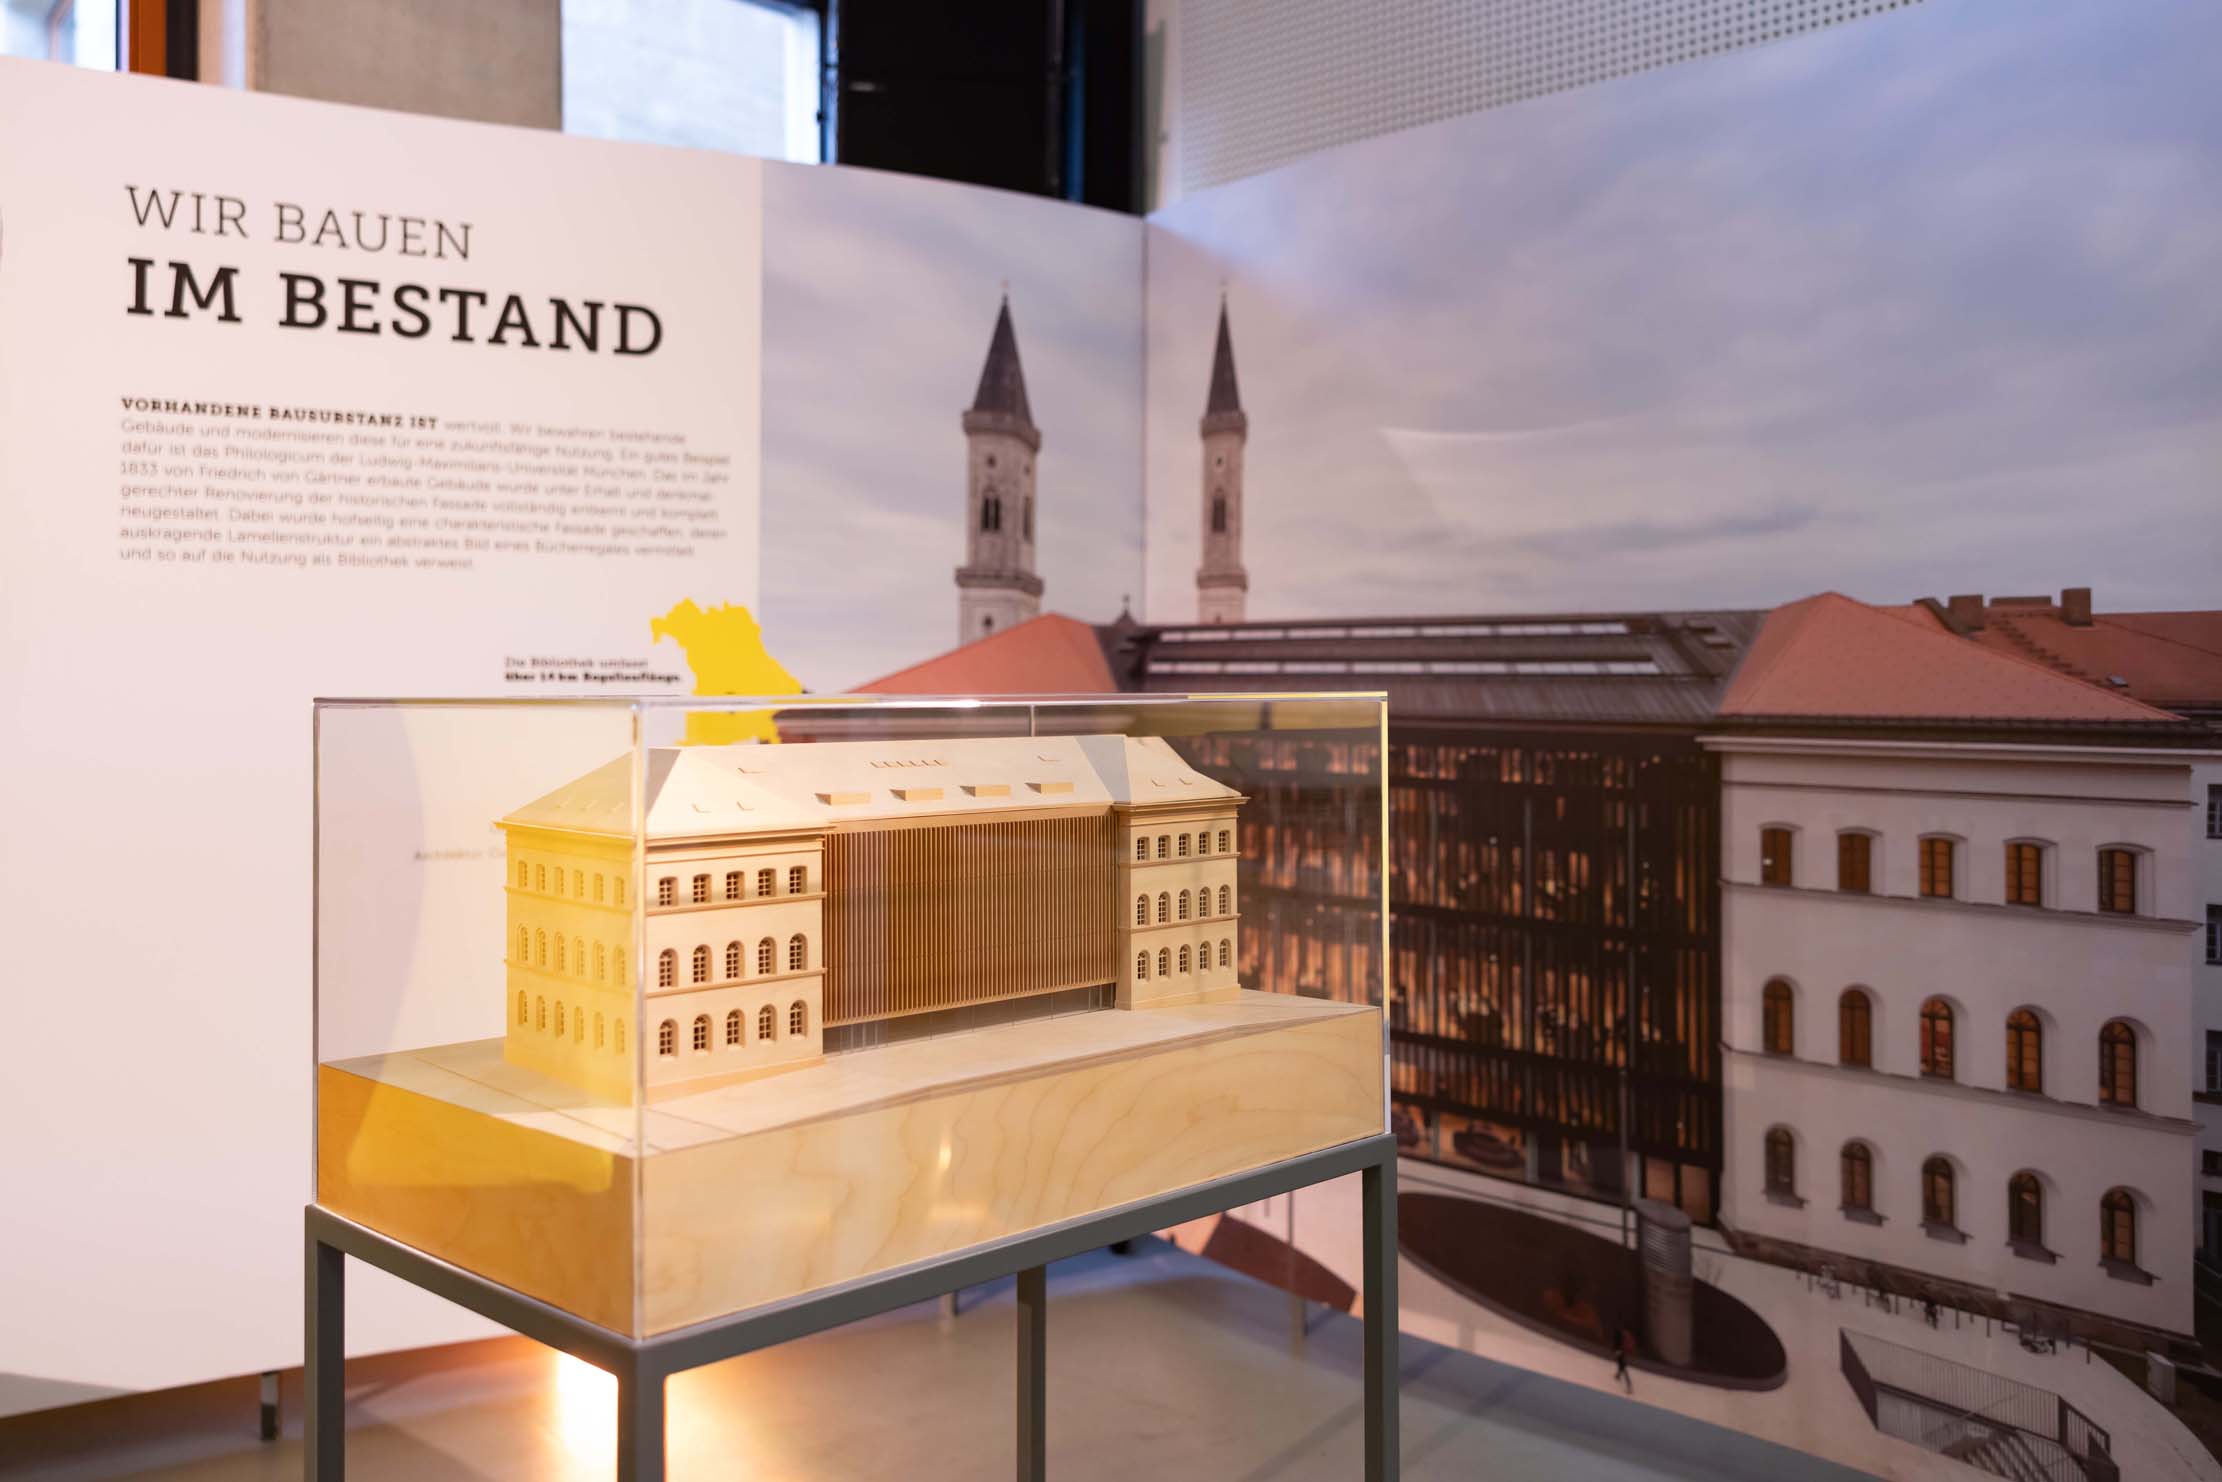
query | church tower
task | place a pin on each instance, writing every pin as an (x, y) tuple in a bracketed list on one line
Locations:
[(1222, 586), (996, 586)]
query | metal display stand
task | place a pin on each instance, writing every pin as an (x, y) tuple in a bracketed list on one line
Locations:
[(641, 1365)]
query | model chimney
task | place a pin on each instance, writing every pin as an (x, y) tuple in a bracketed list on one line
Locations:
[(1964, 611), (2075, 607)]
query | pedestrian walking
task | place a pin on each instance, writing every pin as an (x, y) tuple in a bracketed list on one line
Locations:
[(1624, 1350)]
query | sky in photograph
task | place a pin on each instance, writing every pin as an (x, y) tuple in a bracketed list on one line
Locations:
[(1921, 304), (880, 294)]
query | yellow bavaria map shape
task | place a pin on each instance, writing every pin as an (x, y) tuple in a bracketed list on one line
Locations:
[(725, 653)]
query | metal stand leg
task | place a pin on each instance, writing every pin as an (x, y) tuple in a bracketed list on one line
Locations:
[(1381, 1321), (270, 1417), (640, 1427), (1033, 1374), (324, 1360)]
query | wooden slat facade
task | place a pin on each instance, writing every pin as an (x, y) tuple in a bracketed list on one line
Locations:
[(924, 918)]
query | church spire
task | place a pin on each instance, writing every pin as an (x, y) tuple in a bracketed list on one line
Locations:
[(1222, 583), (1225, 400), (1002, 390)]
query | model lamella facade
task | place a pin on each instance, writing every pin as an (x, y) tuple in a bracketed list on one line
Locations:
[(794, 891)]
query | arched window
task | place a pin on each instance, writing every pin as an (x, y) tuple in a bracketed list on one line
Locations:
[(1936, 868), (540, 1012), (578, 884), (1184, 905), (1937, 1193), (1184, 846), (2118, 1227), (578, 956), (601, 962), (1226, 952), (991, 512), (559, 1019), (701, 891), (1936, 1038), (2025, 1052), (2118, 1065), (702, 1033), (700, 966), (798, 953), (667, 1038), (1856, 1170), (1218, 514), (798, 879), (1026, 518), (767, 1023), (617, 968), (798, 1018), (1226, 900), (617, 1035), (764, 880), (2025, 1210), (1141, 966), (667, 891), (1223, 836), (1855, 1028), (1203, 843), (524, 1009), (667, 968), (1141, 910), (524, 874), (733, 958), (1164, 846), (540, 948), (1782, 1161), (733, 884), (733, 1025), (617, 891), (1164, 907), (599, 886), (524, 946), (1141, 849), (2025, 874), (1184, 960), (766, 955), (1777, 1025), (1855, 862), (1774, 856), (2118, 881), (559, 880), (540, 877), (600, 1035), (1164, 962), (578, 1027)]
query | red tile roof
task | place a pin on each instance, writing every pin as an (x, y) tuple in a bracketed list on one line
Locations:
[(1048, 655), (1831, 656), (2170, 659)]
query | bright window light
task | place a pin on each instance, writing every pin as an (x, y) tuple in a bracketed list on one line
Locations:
[(734, 75), (78, 31)]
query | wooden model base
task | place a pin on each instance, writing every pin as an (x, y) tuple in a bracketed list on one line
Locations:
[(874, 1159)]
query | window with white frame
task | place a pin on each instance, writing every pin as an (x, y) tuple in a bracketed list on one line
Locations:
[(734, 75)]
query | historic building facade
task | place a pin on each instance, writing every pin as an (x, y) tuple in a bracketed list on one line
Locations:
[(997, 587)]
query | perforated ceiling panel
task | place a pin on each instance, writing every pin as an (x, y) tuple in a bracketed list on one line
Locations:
[(1266, 81)]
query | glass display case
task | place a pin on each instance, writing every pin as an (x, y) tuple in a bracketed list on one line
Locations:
[(660, 1011)]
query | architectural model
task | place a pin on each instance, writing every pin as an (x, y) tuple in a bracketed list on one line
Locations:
[(797, 895)]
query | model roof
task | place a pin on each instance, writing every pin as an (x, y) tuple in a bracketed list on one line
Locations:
[(1831, 657), (716, 791), (1047, 655)]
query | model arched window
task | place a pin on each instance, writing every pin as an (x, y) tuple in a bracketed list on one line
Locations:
[(617, 968), (764, 880), (1226, 900), (1936, 1038), (1184, 905), (559, 952), (2025, 1052), (617, 891), (700, 965), (524, 874), (2025, 1209), (2118, 881), (524, 1009), (1184, 961), (540, 948), (1937, 1193), (702, 1032), (766, 955), (1164, 846), (767, 1023), (798, 879), (559, 880), (524, 946), (733, 1024), (1856, 1173), (1223, 836), (559, 1019), (1141, 910), (1203, 843), (1226, 952), (1184, 846), (733, 885), (600, 1035), (733, 959), (1218, 514), (601, 962), (667, 1038), (599, 886), (2118, 1064), (798, 1018), (667, 968), (617, 1035), (1164, 907), (578, 956), (1141, 849), (1141, 966), (798, 953), (1777, 1026), (1782, 1161), (578, 884), (1855, 1028), (1164, 962), (667, 891), (540, 877), (2118, 1227)]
